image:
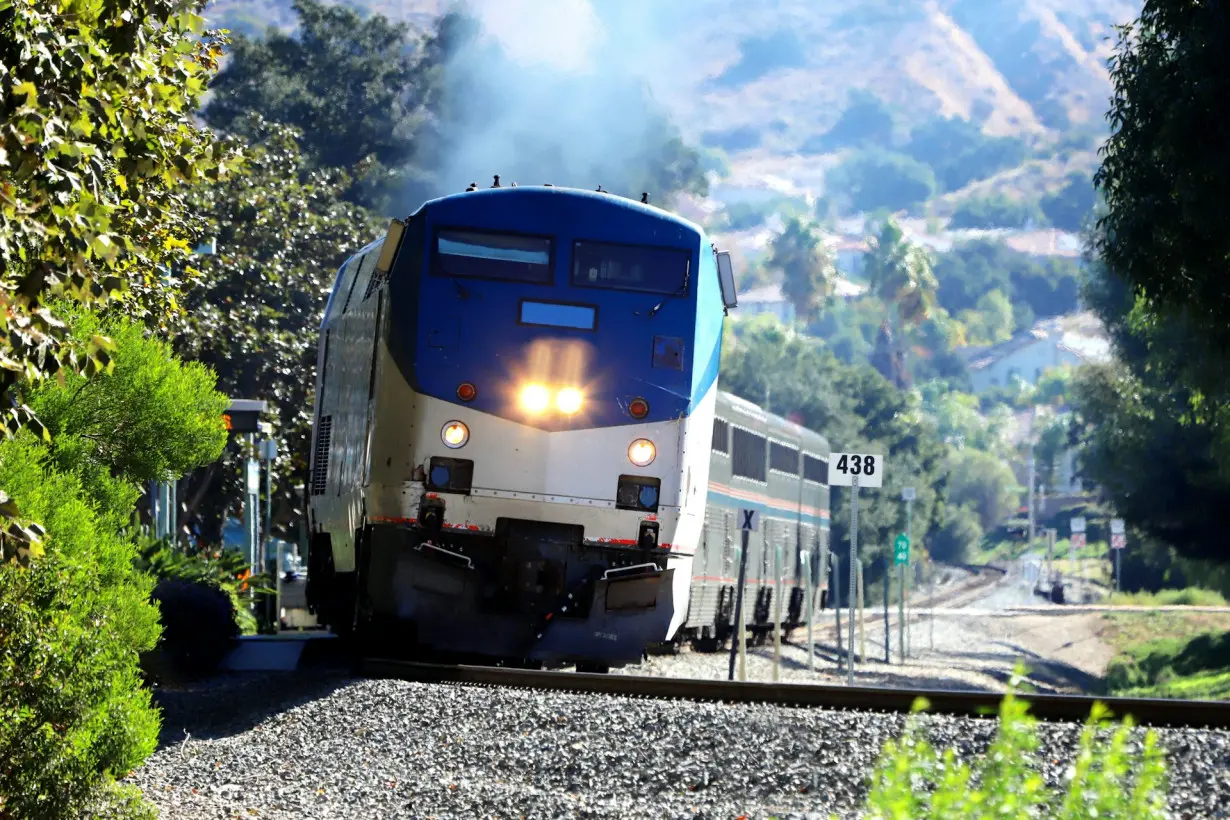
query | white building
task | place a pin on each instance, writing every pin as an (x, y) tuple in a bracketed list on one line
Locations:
[(1066, 340)]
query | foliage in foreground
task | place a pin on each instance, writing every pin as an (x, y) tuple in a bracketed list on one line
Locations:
[(912, 780), (71, 703), (73, 713)]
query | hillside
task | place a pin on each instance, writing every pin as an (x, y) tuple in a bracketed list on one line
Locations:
[(765, 89)]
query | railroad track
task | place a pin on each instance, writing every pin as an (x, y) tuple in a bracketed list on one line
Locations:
[(1071, 708)]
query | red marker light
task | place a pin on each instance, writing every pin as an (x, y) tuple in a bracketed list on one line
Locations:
[(639, 408), (466, 391)]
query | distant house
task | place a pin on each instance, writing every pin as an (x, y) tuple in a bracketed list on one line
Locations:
[(1066, 340), (767, 299), (770, 299)]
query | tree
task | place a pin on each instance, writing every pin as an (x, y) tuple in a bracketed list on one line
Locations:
[(984, 483), (255, 312), (97, 145), (871, 179), (900, 274), (355, 86), (73, 712), (806, 265), (991, 321), (1155, 444), (1165, 170)]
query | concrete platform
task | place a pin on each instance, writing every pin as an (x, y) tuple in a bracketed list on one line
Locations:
[(284, 651)]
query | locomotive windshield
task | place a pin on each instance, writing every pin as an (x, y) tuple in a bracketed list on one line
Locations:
[(487, 255), (630, 267)]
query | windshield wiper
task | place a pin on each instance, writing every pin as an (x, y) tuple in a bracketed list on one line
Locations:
[(682, 289)]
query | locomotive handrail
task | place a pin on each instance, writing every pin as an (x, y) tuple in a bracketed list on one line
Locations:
[(466, 558), (608, 573)]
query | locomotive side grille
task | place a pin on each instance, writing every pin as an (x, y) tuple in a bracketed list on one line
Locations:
[(320, 475)]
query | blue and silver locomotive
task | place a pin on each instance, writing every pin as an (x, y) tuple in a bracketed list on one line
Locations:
[(512, 434)]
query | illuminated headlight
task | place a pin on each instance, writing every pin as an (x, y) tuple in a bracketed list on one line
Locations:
[(642, 452), (454, 435), (535, 398), (569, 400)]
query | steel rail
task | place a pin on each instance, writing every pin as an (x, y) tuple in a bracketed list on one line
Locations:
[(1069, 708)]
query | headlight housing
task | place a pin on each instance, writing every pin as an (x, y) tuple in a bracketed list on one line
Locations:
[(642, 452), (454, 435)]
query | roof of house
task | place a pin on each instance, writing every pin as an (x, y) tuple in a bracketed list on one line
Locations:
[(1079, 334)]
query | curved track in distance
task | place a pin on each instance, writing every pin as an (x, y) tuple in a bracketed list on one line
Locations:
[(1070, 708)]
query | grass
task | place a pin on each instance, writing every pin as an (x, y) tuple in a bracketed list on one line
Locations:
[(1191, 596), (1168, 665)]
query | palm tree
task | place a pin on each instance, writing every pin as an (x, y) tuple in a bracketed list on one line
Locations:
[(901, 276), (807, 267)]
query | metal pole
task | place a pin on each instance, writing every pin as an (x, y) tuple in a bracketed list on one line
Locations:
[(905, 593), (777, 630), (1031, 492), (811, 605), (931, 569), (837, 601), (862, 618), (1118, 566), (736, 644), (853, 571), (888, 575), (173, 510)]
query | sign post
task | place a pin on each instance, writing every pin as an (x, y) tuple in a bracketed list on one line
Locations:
[(901, 557), (1118, 540), (907, 495), (1075, 543), (749, 519), (854, 470)]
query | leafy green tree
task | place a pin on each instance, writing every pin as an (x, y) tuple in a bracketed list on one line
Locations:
[(354, 85), (253, 316), (1053, 441), (991, 321), (73, 711), (996, 211), (984, 483), (1164, 173), (97, 147), (806, 265), (960, 153), (871, 179), (1041, 287)]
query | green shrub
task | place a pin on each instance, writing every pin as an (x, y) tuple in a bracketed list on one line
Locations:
[(72, 709), (1168, 660), (911, 781)]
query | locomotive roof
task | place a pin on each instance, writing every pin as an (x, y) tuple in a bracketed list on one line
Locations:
[(531, 193)]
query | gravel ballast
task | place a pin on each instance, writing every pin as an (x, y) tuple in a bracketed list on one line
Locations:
[(344, 748)]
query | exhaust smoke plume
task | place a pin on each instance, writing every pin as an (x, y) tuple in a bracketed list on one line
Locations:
[(557, 92)]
